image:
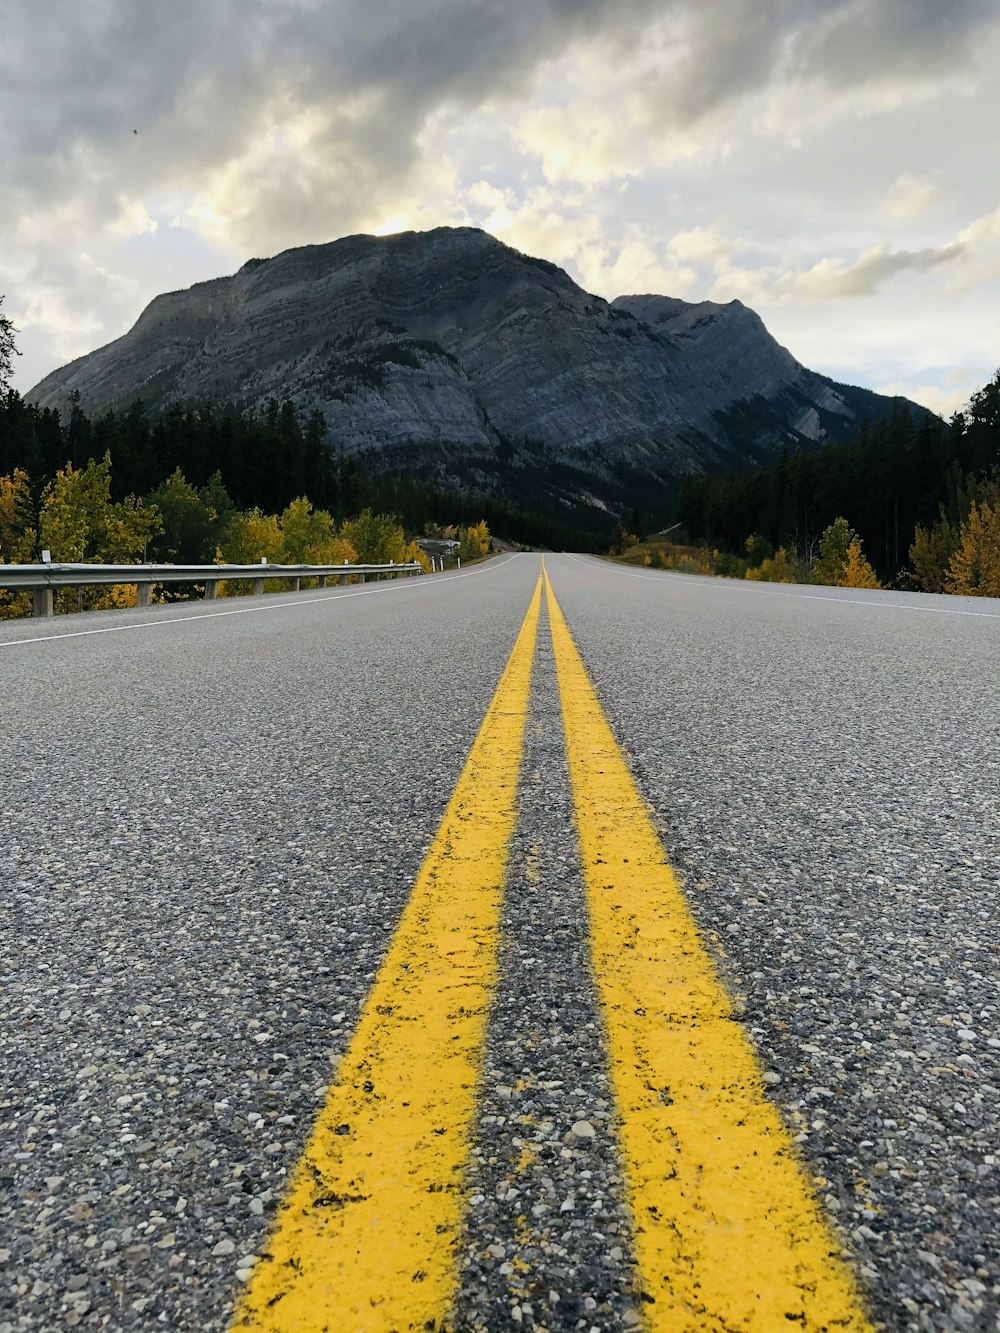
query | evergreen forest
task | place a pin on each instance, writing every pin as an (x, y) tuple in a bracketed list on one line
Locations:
[(921, 496)]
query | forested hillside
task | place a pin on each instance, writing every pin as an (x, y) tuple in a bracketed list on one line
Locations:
[(196, 487), (921, 494), (261, 460)]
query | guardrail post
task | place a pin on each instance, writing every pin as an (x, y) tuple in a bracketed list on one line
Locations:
[(258, 587), (361, 578), (321, 581), (143, 594), (343, 580), (211, 589), (41, 601), (295, 584)]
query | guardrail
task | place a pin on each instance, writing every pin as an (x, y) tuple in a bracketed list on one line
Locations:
[(40, 580)]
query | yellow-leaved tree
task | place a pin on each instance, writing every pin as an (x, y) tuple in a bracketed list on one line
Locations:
[(975, 567), (309, 537), (377, 538), (931, 553), (475, 541), (306, 533), (858, 573), (247, 539), (250, 537), (841, 562), (774, 569), (79, 523), (17, 537)]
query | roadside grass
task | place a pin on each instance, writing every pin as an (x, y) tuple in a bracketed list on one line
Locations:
[(657, 551)]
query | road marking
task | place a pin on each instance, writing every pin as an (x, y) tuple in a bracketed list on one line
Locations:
[(366, 1240), (751, 585), (244, 610), (728, 1233)]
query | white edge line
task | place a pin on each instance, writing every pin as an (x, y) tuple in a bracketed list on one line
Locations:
[(245, 610), (709, 581)]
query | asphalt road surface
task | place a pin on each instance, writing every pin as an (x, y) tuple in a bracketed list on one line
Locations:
[(214, 821)]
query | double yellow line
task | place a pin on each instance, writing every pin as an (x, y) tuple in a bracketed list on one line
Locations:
[(727, 1232)]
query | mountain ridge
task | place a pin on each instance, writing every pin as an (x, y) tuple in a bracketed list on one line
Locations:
[(451, 354)]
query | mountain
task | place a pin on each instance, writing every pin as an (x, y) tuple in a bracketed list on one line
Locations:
[(451, 355)]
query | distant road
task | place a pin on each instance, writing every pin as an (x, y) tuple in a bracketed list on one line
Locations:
[(214, 820)]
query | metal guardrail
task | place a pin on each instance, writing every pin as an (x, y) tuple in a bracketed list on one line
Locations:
[(40, 580)]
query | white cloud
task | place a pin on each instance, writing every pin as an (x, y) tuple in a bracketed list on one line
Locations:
[(813, 159), (834, 278), (910, 197)]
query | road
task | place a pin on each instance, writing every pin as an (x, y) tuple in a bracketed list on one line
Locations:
[(214, 822)]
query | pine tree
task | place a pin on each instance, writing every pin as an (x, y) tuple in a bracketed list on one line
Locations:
[(8, 350)]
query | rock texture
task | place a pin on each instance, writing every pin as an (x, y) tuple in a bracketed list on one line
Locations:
[(450, 352)]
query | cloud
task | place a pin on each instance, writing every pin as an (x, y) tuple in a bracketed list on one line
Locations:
[(870, 40), (786, 153), (832, 278), (910, 197), (312, 111)]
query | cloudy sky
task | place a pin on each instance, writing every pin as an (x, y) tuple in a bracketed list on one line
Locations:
[(832, 163)]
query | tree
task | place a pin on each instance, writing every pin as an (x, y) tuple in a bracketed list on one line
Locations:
[(17, 535), (621, 541), (773, 569), (758, 549), (828, 567), (975, 567), (377, 538), (475, 541), (931, 553), (78, 521), (7, 349), (317, 465), (858, 573), (841, 562), (307, 534), (190, 523), (250, 537)]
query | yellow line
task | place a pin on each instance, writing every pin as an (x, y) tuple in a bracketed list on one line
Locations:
[(366, 1238), (729, 1237)]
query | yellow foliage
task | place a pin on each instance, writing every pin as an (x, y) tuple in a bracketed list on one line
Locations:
[(17, 536), (774, 569), (975, 567), (78, 521), (414, 553), (475, 541), (377, 538), (250, 537), (683, 562), (65, 520), (930, 555), (337, 551), (841, 563), (306, 534), (121, 594), (858, 573)]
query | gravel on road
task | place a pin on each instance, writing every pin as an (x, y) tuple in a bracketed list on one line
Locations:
[(211, 828)]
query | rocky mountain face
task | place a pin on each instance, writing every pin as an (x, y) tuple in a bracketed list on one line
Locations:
[(449, 354)]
